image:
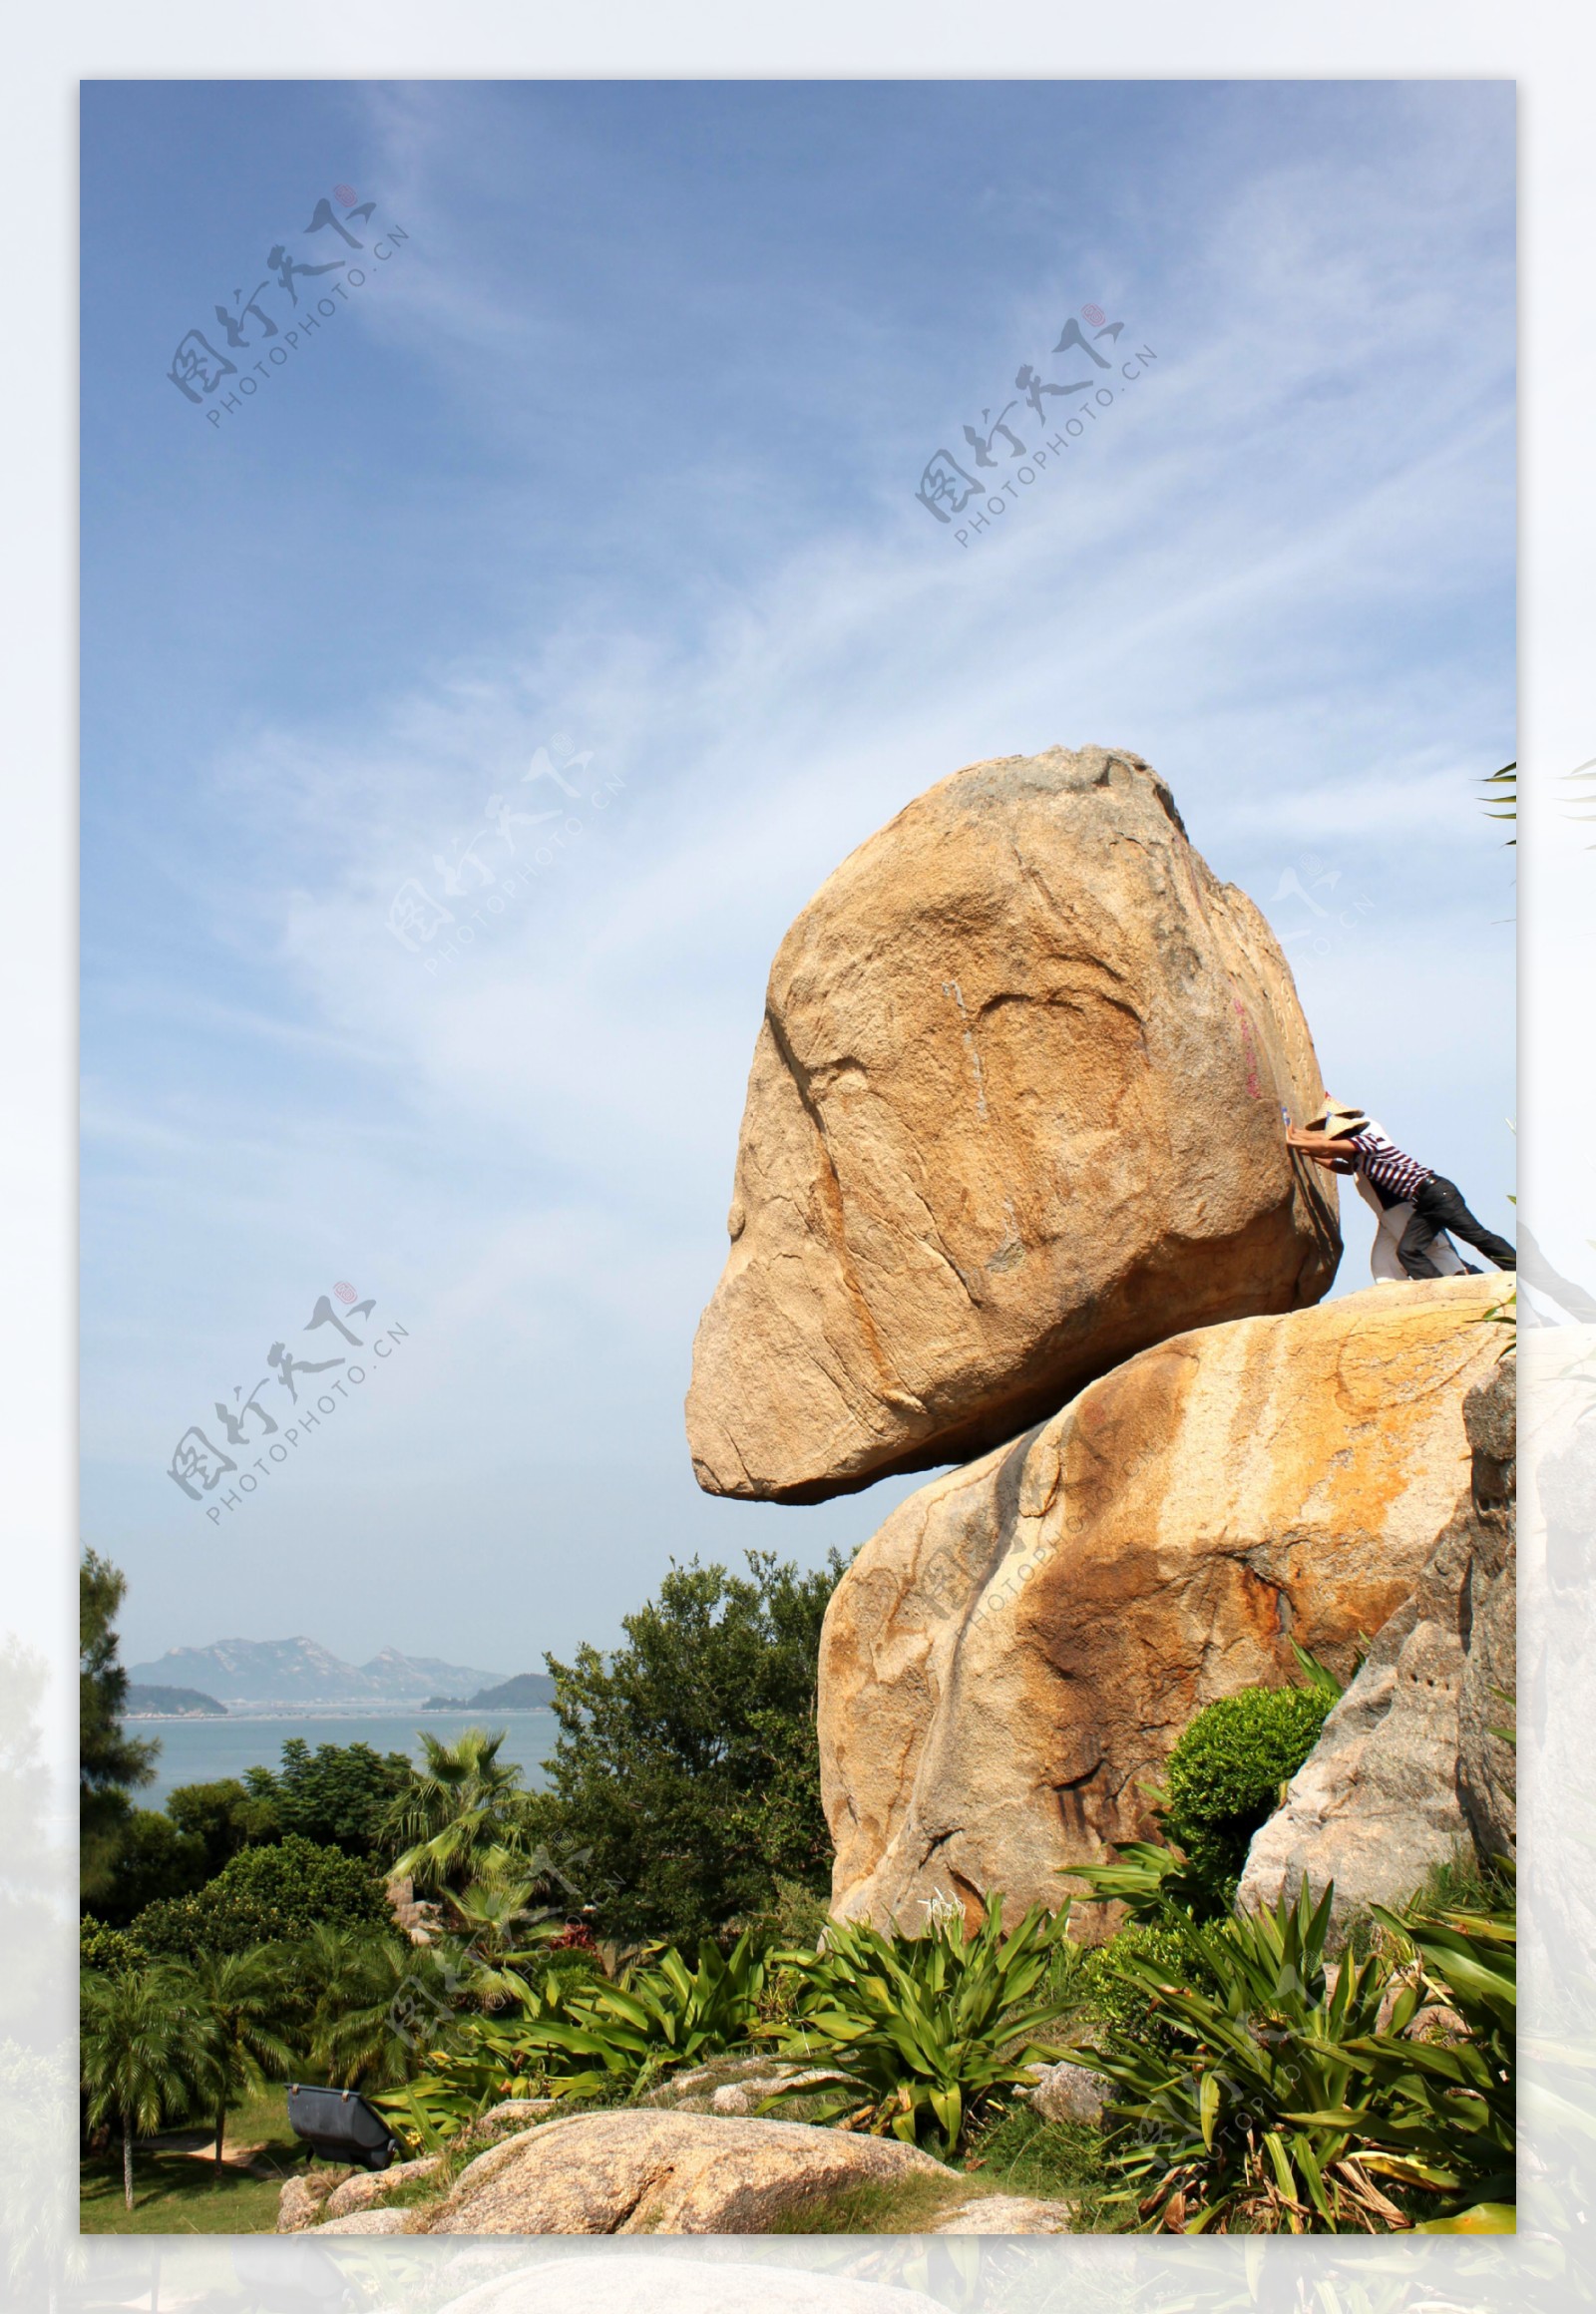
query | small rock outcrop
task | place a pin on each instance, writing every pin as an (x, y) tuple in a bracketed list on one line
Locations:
[(415, 1917), (526, 2111), (300, 2202), (730, 2085), (1068, 2093), (635, 2171), (1407, 1767), (321, 2197), (1015, 1113), (1008, 2213), (1015, 1652), (369, 2187)]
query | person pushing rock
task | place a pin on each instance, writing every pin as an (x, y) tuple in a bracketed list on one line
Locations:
[(1345, 1140)]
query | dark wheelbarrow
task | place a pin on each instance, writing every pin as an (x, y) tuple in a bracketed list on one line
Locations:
[(338, 2125)]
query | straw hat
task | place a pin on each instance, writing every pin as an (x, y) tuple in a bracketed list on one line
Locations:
[(1337, 1117)]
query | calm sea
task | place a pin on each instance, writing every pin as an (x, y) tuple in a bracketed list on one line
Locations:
[(201, 1751)]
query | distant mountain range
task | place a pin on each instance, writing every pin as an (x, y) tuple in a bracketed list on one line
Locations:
[(171, 1704), (265, 1673), (527, 1692)]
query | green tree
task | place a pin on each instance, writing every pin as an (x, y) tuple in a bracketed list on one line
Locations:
[(142, 2053), (460, 1808), (266, 1896), (152, 1860), (338, 1795), (686, 1780), (220, 1818), (111, 1764), (238, 2001)]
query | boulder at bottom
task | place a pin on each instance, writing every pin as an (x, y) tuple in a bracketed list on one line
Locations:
[(663, 2172), (1011, 1657), (1382, 1795)]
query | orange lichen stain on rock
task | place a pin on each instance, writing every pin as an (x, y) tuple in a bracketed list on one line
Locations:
[(1085, 1592)]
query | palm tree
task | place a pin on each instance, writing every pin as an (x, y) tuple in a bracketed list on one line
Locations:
[(238, 2000), (378, 1999), (462, 1801), (494, 1922), (142, 2052), (1504, 785)]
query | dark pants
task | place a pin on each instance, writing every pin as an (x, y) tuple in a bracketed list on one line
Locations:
[(1439, 1205)]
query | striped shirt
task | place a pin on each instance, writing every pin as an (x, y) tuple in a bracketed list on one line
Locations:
[(1393, 1175)]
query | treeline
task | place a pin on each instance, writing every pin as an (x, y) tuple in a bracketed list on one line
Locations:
[(661, 1903), (683, 1790), (244, 1927)]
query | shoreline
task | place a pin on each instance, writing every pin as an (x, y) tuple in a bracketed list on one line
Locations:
[(336, 1712)]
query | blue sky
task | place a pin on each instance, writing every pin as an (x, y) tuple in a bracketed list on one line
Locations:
[(615, 455)]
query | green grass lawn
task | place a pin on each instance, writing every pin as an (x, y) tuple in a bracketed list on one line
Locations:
[(1054, 2161), (177, 2192)]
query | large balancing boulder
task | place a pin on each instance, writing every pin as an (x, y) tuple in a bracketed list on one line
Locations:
[(1016, 1111)]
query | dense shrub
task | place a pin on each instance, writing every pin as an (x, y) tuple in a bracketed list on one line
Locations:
[(109, 1949), (1273, 2094), (1243, 2126), (609, 2036), (266, 1896), (1112, 1990), (1224, 1776)]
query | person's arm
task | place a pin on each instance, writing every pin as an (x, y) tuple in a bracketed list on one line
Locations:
[(1324, 1148), (1318, 1144)]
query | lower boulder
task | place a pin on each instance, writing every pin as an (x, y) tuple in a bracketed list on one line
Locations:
[(1407, 1768), (1014, 1655), (635, 2171)]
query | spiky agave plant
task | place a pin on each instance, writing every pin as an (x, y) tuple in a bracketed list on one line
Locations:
[(919, 2034), (1236, 2118), (617, 2036), (1443, 2119)]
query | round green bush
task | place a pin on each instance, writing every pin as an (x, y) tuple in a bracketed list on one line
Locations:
[(1225, 1774), (269, 1896), (109, 1949), (1121, 2003)]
